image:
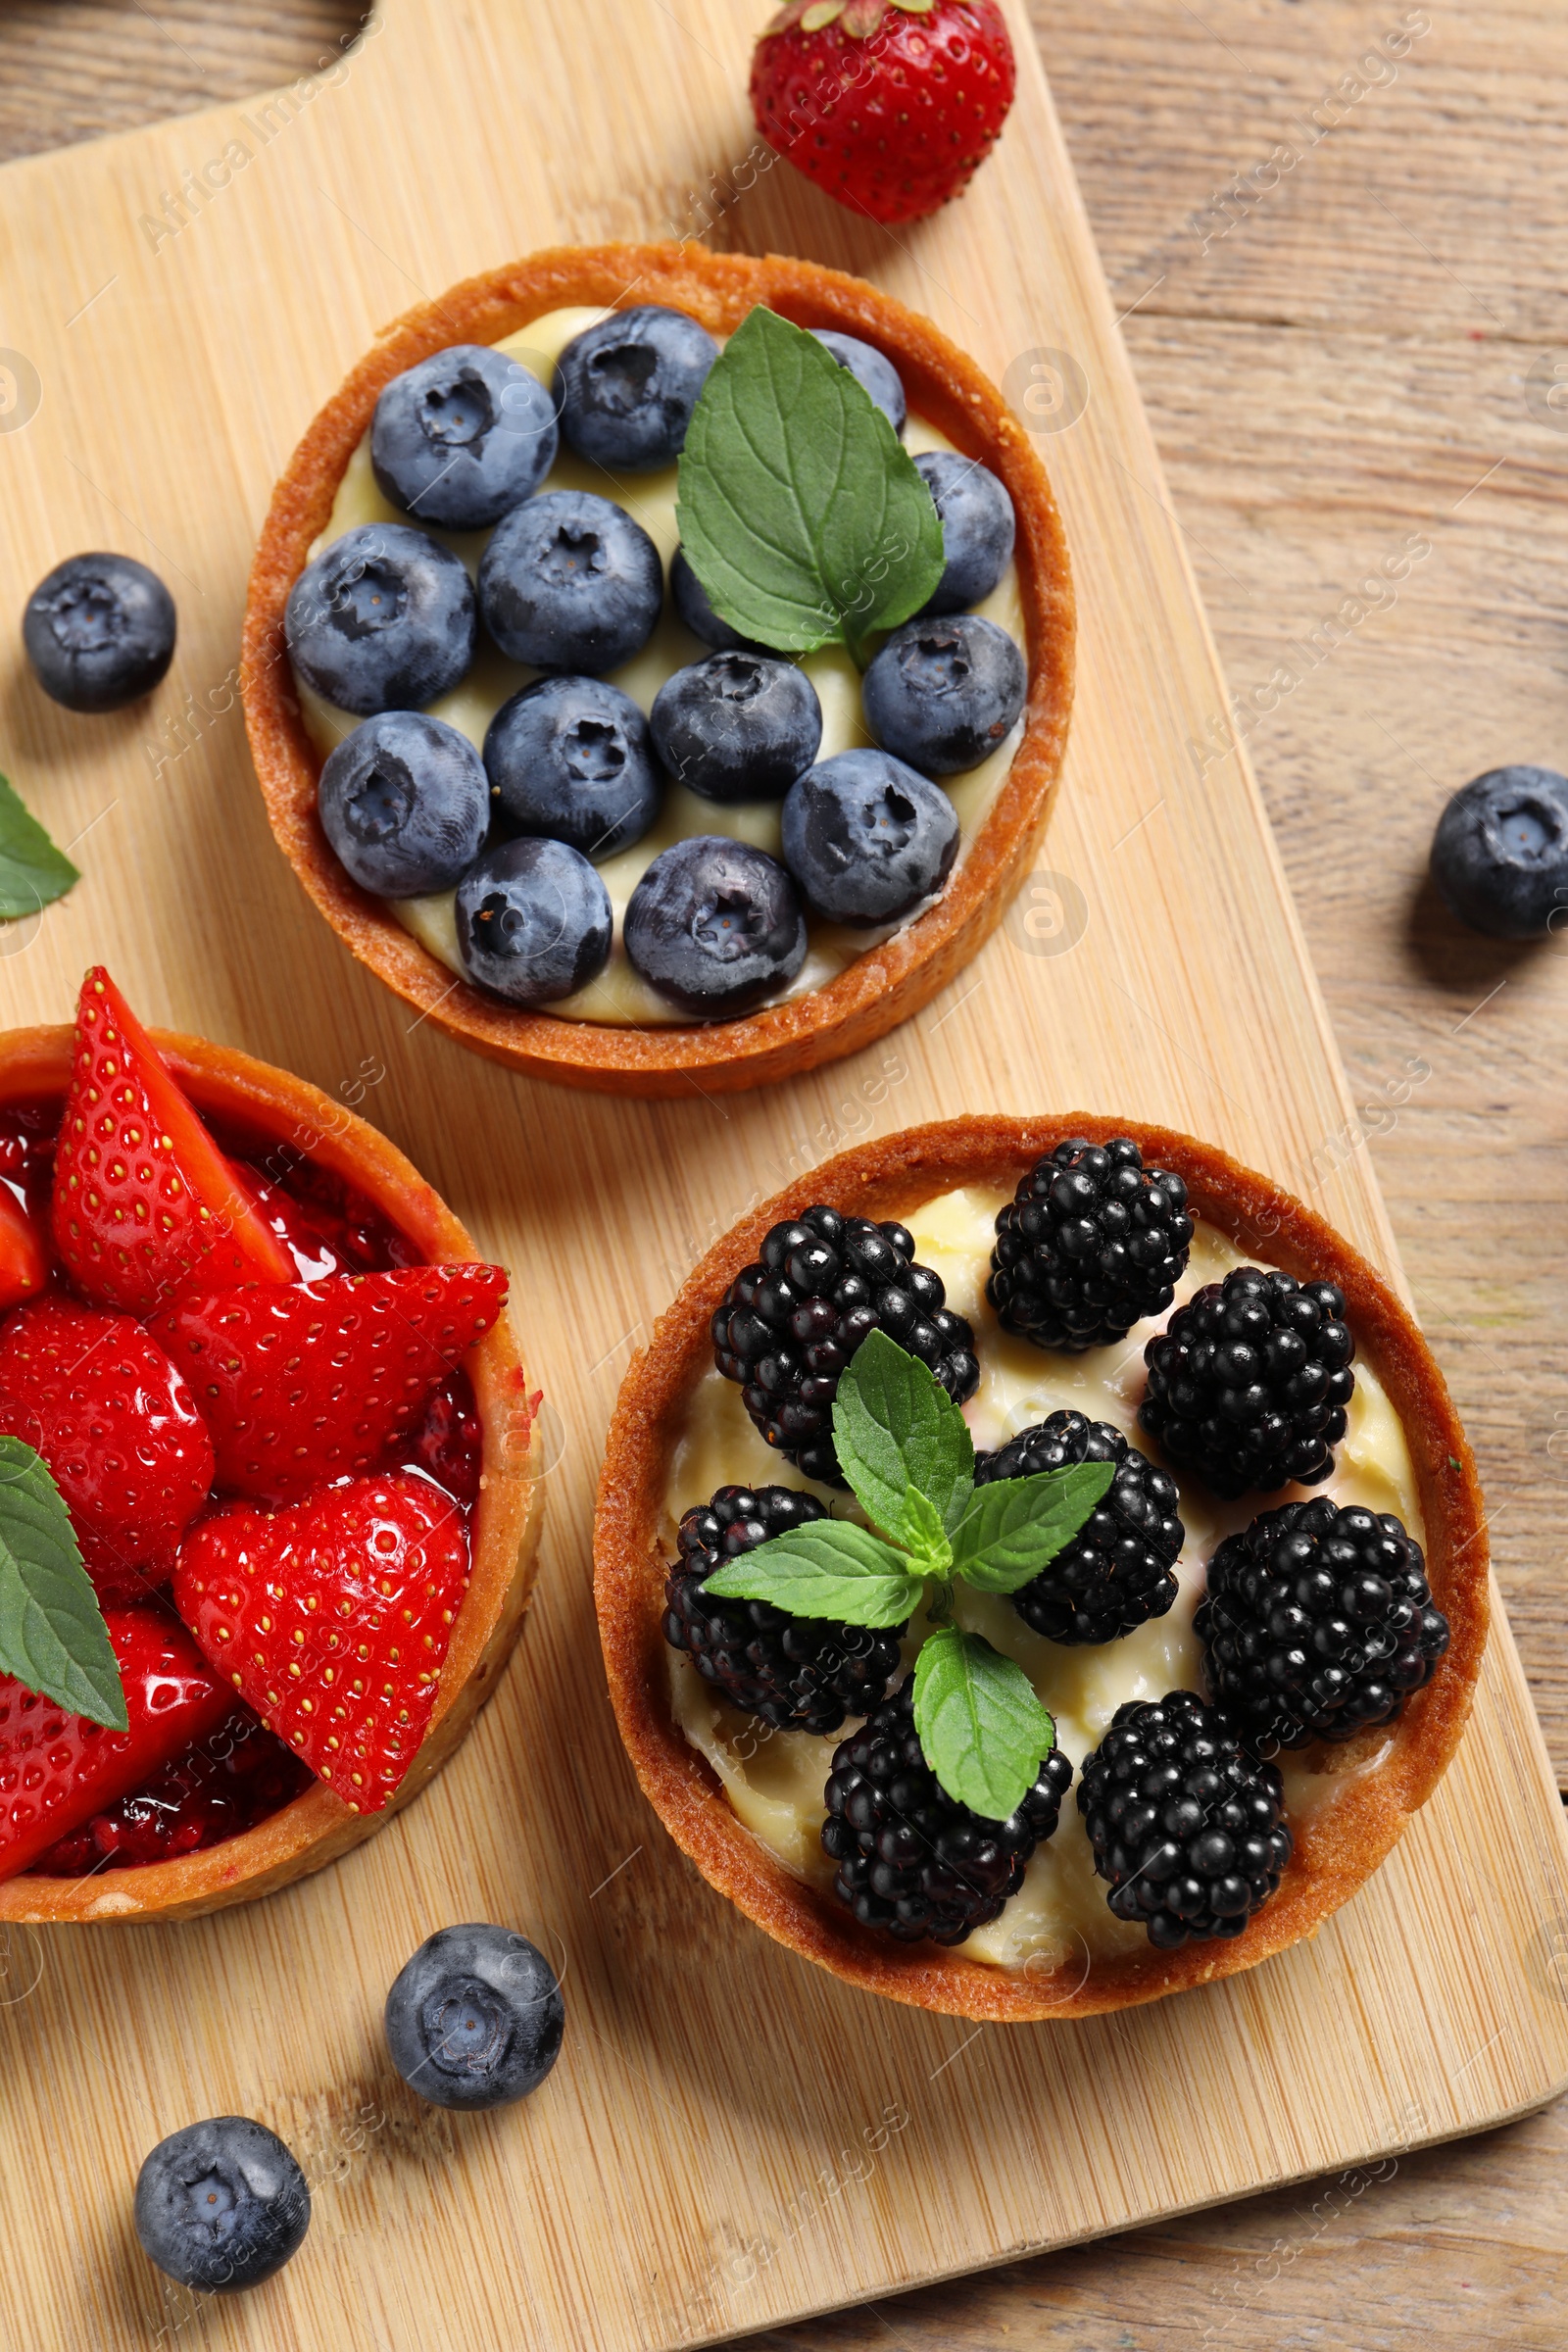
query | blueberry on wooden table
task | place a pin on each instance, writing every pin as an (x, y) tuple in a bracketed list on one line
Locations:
[(715, 926), (569, 582), (1500, 856), (221, 2205), (739, 726), (462, 437), (868, 838), (571, 759), (627, 387), (406, 804), (475, 2018), (944, 694), (384, 619), (99, 633)]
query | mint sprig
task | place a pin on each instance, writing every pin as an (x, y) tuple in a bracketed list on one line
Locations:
[(907, 1452), (801, 510), (32, 871), (52, 1633)]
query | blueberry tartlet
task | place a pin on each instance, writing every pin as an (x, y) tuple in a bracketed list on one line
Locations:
[(610, 770), (946, 1638)]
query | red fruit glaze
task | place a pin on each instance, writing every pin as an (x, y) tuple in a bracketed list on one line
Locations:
[(889, 110), (119, 1430), (57, 1769), (312, 1382), (144, 1203), (24, 1256), (224, 1784), (332, 1620)]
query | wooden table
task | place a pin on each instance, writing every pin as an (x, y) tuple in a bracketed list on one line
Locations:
[(1342, 278)]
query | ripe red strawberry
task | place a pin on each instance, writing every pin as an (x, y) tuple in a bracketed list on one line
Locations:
[(144, 1203), (23, 1258), (332, 1621), (888, 105), (119, 1429), (57, 1770), (313, 1381)]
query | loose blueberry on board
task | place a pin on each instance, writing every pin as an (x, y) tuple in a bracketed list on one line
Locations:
[(475, 2018), (871, 371), (384, 619), (868, 838), (978, 527), (99, 633), (715, 926), (1500, 856), (739, 726), (627, 387), (462, 437), (571, 759), (942, 694), (569, 582), (221, 2205), (695, 611), (534, 922), (406, 804)]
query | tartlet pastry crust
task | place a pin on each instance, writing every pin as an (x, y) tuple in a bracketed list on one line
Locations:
[(1340, 1843), (319, 1827), (883, 986)]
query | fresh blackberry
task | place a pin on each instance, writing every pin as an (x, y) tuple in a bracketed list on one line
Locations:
[(797, 1673), (1317, 1623), (789, 1325), (1091, 1242), (1116, 1572), (912, 1860), (1249, 1382), (1187, 1827)]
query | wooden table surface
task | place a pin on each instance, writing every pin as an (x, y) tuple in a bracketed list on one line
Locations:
[(1342, 277)]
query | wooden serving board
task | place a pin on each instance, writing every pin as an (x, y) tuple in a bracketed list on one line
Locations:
[(731, 2139)]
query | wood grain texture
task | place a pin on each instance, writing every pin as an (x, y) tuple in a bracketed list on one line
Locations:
[(1160, 104)]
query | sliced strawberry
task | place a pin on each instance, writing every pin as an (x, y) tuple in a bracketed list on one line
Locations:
[(332, 1621), (24, 1256), (119, 1429), (57, 1770), (314, 1381), (144, 1203)]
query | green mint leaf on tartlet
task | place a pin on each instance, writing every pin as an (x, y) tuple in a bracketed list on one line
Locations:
[(799, 510), (32, 871), (895, 1427), (925, 1537), (1016, 1525), (981, 1728), (52, 1633), (830, 1568)]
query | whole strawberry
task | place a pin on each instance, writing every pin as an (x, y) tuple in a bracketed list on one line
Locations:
[(891, 106)]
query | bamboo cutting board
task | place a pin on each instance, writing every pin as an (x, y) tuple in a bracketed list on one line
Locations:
[(731, 2139)]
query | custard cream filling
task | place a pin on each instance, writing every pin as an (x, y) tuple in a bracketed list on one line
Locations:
[(620, 997), (774, 1780)]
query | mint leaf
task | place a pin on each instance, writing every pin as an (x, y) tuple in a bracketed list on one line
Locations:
[(1016, 1525), (52, 1633), (831, 1568), (800, 509), (925, 1533), (895, 1427), (32, 871), (983, 1731)]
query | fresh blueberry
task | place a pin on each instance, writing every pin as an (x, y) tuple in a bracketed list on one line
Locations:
[(866, 837), (99, 633), (406, 804), (476, 2019), (977, 529), (221, 2205), (462, 436), (693, 608), (628, 386), (569, 582), (534, 922), (942, 694), (1500, 855), (570, 757), (384, 619), (738, 726), (870, 370), (715, 926)]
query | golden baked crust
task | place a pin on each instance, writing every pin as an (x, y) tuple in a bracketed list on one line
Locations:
[(317, 1826), (1337, 1848), (886, 984)]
